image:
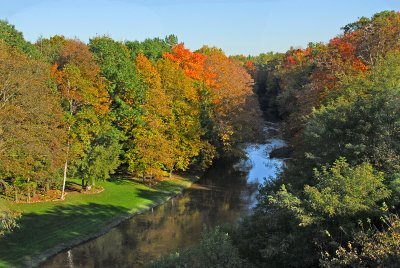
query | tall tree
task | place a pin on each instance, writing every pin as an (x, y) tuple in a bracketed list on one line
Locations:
[(151, 150), (86, 105), (184, 125), (235, 106), (118, 68), (32, 129)]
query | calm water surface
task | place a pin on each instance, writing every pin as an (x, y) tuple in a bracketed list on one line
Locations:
[(223, 195)]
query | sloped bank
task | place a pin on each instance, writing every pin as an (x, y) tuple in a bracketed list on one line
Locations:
[(226, 192), (48, 228)]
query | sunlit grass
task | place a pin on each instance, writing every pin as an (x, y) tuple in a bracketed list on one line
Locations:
[(46, 225)]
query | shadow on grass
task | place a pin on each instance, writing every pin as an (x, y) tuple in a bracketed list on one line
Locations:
[(120, 180), (38, 233), (72, 186), (156, 196), (63, 223), (168, 186)]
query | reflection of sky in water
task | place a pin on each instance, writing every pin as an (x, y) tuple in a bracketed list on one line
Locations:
[(258, 164)]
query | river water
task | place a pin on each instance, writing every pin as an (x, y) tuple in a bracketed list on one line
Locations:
[(222, 196)]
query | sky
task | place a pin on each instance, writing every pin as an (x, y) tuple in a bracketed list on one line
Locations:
[(237, 26)]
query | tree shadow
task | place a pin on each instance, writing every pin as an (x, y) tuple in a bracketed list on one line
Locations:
[(119, 180), (72, 186), (40, 232), (159, 193), (59, 225)]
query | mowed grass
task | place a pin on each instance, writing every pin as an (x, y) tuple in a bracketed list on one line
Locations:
[(46, 225)]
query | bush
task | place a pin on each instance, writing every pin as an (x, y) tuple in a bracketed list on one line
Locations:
[(214, 250)]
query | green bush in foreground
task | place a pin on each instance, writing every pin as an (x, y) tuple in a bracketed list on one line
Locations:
[(370, 248), (215, 250)]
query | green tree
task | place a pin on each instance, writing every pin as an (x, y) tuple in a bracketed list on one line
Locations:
[(364, 129), (289, 227), (87, 105), (118, 68), (153, 49), (344, 191), (102, 157), (15, 39), (126, 91), (50, 48)]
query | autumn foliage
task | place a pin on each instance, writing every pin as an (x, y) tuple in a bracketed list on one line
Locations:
[(193, 64), (336, 201), (146, 109), (303, 79)]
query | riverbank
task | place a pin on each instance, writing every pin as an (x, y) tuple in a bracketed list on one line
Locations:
[(47, 228), (226, 192)]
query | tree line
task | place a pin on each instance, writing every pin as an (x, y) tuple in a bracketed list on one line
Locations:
[(142, 109), (336, 202)]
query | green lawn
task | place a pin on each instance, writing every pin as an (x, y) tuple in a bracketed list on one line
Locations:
[(46, 225)]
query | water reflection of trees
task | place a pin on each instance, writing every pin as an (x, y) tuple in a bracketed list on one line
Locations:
[(177, 224)]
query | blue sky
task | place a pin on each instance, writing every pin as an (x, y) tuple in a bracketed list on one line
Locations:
[(238, 27)]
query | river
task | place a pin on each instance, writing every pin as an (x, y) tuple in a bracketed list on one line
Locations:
[(223, 195)]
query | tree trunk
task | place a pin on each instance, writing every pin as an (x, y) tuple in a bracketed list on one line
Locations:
[(29, 193), (65, 171), (171, 170), (68, 145), (65, 178)]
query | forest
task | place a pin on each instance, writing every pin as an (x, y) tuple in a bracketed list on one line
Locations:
[(149, 109), (336, 202), (144, 109), (112, 110)]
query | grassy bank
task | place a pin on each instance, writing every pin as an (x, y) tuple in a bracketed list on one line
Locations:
[(46, 228)]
